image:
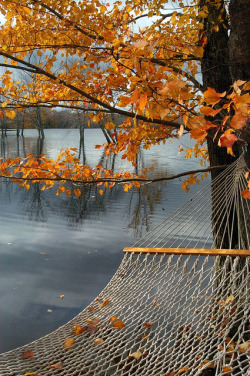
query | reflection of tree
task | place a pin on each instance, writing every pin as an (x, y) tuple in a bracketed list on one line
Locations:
[(138, 204), (34, 203)]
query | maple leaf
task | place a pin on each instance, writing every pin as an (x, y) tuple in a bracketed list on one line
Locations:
[(212, 97), (227, 140)]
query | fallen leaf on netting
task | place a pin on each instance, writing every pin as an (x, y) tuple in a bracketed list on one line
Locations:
[(246, 193), (88, 320), (229, 300), (170, 373), (68, 342), (113, 318), (30, 374), (91, 308), (148, 324), (58, 365), (95, 321), (61, 296), (103, 304), (136, 355), (27, 354), (119, 324), (98, 341), (91, 328), (77, 329), (226, 369), (182, 370), (145, 337), (245, 348)]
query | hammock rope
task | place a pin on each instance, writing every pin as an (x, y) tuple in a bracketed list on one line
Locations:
[(172, 307)]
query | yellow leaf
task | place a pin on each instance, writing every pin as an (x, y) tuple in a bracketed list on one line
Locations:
[(109, 125), (136, 355), (229, 300), (98, 341), (4, 104), (10, 114), (30, 374), (245, 347), (100, 192)]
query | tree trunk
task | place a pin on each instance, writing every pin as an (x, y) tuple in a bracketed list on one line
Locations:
[(221, 66)]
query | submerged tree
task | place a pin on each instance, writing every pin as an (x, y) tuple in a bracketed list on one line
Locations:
[(167, 67)]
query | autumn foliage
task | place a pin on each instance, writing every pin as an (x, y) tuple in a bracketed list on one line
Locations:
[(140, 59)]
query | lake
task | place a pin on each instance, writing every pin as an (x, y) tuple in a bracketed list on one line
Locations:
[(58, 253)]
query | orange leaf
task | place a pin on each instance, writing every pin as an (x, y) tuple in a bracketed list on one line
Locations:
[(68, 342), (227, 140), (198, 134), (27, 354), (77, 192), (197, 122), (148, 324), (226, 369), (182, 370), (212, 97), (246, 193), (209, 111), (113, 318), (119, 324), (77, 329), (143, 101), (100, 192), (30, 374), (238, 120), (103, 304)]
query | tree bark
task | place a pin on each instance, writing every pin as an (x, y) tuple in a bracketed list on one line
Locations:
[(225, 60)]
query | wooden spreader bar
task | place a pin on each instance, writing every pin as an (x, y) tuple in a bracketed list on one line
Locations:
[(190, 251)]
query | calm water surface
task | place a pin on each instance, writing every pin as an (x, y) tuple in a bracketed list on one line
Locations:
[(52, 246)]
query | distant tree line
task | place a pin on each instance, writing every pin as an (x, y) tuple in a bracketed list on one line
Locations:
[(45, 118)]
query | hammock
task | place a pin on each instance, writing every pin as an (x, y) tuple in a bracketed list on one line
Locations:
[(177, 305)]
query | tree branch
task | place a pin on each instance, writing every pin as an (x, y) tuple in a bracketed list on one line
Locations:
[(116, 180), (53, 77)]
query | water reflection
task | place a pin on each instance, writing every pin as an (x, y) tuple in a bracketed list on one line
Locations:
[(56, 245)]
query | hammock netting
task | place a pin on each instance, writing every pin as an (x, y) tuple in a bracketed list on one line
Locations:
[(164, 314)]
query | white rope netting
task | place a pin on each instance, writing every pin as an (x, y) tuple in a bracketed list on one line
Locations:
[(161, 314)]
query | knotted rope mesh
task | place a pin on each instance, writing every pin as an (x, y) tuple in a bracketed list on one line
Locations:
[(163, 314)]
